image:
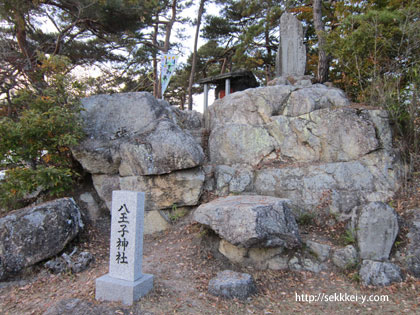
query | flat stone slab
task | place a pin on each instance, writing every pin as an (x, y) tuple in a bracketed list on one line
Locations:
[(118, 290), (230, 284), (251, 221)]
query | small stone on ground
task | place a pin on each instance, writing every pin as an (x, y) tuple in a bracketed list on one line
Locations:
[(230, 284)]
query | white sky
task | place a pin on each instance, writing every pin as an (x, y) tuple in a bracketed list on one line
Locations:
[(211, 9)]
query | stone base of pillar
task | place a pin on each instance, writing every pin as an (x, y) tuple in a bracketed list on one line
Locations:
[(127, 292)]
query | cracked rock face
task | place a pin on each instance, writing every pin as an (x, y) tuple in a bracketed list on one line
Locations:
[(236, 144), (251, 221), (137, 142), (303, 143)]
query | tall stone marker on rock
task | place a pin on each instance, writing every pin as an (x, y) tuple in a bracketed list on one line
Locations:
[(125, 281), (291, 54)]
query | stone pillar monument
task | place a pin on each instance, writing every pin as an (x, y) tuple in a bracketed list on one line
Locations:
[(291, 54), (125, 281)]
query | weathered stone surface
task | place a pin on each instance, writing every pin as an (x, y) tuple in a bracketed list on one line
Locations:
[(154, 222), (321, 251), (105, 185), (345, 185), (376, 231), (239, 144), (116, 115), (308, 138), (291, 56), (345, 257), (82, 262), (235, 179), (162, 150), (317, 96), (135, 134), (250, 107), (379, 273), (98, 156), (412, 259), (230, 284), (182, 188), (30, 235), (251, 221), (298, 81), (380, 119), (187, 119), (259, 258), (305, 264), (91, 205), (234, 253)]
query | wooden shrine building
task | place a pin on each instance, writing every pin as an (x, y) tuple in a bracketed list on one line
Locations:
[(228, 83)]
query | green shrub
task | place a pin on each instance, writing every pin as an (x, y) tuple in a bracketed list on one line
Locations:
[(35, 140)]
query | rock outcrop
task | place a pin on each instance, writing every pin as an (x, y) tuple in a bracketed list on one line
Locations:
[(32, 234), (137, 142), (290, 140), (303, 143)]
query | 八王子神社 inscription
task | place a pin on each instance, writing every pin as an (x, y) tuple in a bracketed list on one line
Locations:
[(125, 281)]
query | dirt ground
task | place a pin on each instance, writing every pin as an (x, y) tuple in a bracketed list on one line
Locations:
[(183, 266)]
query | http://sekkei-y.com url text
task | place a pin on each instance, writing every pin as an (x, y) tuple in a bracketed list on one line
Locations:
[(340, 297)]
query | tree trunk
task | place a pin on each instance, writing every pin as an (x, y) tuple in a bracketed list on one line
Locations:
[(194, 58), (30, 69), (155, 63), (268, 71), (323, 58), (169, 26)]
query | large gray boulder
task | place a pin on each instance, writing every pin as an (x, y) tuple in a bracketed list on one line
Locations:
[(135, 134), (379, 273), (377, 230), (251, 221), (32, 234), (137, 142)]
